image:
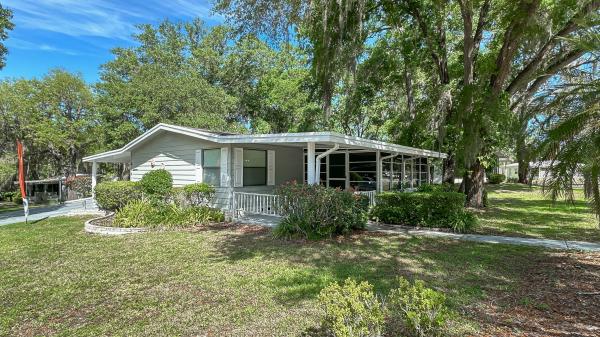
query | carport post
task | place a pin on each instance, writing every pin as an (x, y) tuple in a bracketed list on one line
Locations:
[(310, 164), (94, 169)]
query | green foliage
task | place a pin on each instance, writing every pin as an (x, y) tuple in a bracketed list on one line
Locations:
[(114, 195), (432, 209), (6, 24), (315, 211), (17, 199), (199, 193), (157, 184), (417, 311), (7, 196), (445, 187), (142, 213), (496, 178), (82, 185), (351, 309)]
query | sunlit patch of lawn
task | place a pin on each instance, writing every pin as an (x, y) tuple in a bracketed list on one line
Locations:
[(57, 280), (519, 210)]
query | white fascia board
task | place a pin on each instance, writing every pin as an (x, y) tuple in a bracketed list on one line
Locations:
[(331, 138), (301, 137), (157, 128)]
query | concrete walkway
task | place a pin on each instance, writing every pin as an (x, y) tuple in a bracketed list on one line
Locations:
[(82, 206), (272, 221), (547, 243)]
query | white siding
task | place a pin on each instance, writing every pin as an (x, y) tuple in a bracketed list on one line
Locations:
[(173, 152)]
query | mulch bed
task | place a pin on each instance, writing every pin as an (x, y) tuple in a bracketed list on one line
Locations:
[(559, 297)]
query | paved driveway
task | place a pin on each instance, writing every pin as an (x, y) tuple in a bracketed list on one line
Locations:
[(76, 206)]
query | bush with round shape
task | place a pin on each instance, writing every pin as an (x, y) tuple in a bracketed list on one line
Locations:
[(417, 311), (156, 184), (113, 195), (496, 178), (199, 193), (351, 310), (17, 199)]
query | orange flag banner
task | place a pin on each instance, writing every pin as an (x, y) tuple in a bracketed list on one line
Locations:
[(21, 170)]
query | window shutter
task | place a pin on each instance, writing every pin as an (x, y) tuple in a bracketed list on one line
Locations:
[(270, 167), (198, 164), (238, 167), (224, 167)]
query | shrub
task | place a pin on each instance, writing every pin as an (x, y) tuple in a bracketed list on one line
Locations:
[(445, 187), (142, 213), (351, 309), (157, 184), (113, 195), (199, 193), (314, 211), (416, 310), (81, 185), (496, 178), (8, 196), (433, 209), (17, 199)]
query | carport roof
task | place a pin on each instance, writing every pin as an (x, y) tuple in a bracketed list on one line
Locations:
[(321, 139)]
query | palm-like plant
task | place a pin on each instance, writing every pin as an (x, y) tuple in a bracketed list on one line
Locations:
[(573, 145)]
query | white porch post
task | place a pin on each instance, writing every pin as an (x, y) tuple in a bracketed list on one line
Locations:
[(403, 176), (94, 171), (378, 171), (310, 164)]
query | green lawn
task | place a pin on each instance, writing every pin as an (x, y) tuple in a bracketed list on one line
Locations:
[(9, 206), (518, 210), (239, 281)]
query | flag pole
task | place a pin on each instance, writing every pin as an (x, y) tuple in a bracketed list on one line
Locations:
[(22, 180)]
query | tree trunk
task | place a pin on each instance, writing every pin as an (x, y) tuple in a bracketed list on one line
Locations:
[(523, 161), (474, 185), (449, 170)]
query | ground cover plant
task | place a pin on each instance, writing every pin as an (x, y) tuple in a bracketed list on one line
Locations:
[(239, 281)]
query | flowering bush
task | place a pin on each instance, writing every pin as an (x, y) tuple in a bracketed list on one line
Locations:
[(315, 211), (82, 185)]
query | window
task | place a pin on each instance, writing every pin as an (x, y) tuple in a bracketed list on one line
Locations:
[(255, 167), (211, 166)]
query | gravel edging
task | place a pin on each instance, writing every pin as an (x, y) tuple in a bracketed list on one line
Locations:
[(89, 227)]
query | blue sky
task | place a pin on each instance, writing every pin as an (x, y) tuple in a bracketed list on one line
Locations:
[(78, 35)]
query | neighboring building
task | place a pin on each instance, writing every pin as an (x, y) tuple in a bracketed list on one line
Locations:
[(50, 189), (255, 164), (539, 171)]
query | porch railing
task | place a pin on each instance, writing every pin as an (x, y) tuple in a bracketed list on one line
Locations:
[(267, 204), (255, 203), (370, 195)]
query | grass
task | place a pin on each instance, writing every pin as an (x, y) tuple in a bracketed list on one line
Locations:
[(57, 280), (9, 206), (518, 210)]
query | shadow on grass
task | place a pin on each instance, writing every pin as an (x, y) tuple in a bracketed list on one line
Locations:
[(466, 270)]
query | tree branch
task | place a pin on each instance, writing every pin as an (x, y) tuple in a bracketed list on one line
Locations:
[(570, 26), (510, 42)]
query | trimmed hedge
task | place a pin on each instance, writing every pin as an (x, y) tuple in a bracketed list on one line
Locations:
[(114, 195), (433, 209), (496, 178)]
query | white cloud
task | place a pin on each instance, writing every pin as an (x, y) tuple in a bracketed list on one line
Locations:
[(112, 19), (26, 45)]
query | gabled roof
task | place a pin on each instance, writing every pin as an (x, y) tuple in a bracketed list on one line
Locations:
[(297, 139)]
